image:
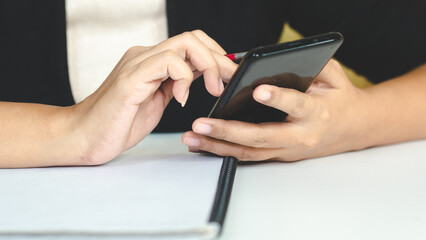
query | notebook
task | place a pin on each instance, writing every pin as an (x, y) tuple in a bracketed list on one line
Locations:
[(156, 191)]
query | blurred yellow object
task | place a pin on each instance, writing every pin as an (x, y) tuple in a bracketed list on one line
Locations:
[(289, 34)]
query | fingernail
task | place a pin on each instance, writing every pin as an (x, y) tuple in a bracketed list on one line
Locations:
[(185, 98), (202, 128), (263, 95), (192, 142)]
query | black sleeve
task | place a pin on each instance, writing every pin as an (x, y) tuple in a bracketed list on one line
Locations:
[(237, 25), (383, 38), (33, 59)]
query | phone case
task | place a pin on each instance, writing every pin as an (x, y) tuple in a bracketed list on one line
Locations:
[(290, 65)]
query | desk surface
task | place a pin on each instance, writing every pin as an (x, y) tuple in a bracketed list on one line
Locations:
[(378, 193)]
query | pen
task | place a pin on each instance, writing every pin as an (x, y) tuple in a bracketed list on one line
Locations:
[(236, 56)]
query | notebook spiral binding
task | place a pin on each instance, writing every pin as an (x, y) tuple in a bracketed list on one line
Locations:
[(224, 189)]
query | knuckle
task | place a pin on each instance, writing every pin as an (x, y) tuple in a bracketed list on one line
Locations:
[(324, 114), (310, 142), (209, 63), (260, 139), (304, 104), (221, 131), (189, 75), (206, 145), (245, 154), (277, 95), (133, 50), (199, 31), (189, 36), (168, 54), (299, 106)]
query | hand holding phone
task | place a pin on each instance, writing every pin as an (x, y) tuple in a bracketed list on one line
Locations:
[(289, 65), (327, 120)]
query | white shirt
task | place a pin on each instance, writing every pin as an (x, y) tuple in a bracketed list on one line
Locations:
[(100, 31)]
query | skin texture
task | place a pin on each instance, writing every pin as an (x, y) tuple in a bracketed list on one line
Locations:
[(333, 116), (120, 113)]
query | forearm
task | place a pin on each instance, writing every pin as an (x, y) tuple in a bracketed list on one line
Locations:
[(34, 135), (396, 110)]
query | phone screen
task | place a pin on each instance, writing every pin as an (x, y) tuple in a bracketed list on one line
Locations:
[(295, 66)]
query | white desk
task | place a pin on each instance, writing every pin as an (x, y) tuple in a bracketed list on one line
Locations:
[(378, 193)]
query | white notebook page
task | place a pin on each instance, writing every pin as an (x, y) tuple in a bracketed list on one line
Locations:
[(155, 189)]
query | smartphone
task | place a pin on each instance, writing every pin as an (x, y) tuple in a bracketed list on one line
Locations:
[(289, 65)]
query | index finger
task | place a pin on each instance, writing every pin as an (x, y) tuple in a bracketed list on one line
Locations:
[(267, 135), (209, 42), (190, 48)]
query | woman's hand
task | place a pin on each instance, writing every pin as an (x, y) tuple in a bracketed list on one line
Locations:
[(131, 101), (323, 121)]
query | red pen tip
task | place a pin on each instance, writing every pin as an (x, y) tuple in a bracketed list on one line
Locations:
[(231, 56)]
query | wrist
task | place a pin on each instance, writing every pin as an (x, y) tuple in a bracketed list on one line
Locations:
[(97, 130), (366, 117), (355, 122), (68, 146)]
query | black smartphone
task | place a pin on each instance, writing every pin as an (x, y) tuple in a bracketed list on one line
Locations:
[(288, 65)]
